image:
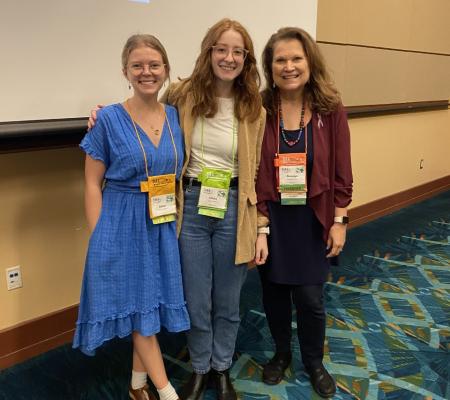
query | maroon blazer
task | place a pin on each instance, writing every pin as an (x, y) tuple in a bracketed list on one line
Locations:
[(331, 178)]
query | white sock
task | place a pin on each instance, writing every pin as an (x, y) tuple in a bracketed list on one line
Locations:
[(138, 379), (167, 393)]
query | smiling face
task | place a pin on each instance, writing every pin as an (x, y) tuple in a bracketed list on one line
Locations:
[(146, 71), (227, 59), (290, 67)]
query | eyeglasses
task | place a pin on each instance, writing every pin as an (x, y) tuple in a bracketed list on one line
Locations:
[(237, 53), (138, 68)]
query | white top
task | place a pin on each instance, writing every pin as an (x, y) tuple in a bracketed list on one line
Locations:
[(217, 141)]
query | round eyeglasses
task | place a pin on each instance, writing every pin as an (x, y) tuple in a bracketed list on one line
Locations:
[(138, 68), (222, 51)]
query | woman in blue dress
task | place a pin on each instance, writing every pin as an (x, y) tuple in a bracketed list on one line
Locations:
[(132, 279)]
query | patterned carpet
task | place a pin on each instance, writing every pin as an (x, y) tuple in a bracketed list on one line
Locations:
[(388, 327)]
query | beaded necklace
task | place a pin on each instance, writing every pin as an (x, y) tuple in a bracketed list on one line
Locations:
[(292, 143)]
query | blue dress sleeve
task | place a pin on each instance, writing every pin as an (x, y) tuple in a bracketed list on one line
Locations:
[(95, 143)]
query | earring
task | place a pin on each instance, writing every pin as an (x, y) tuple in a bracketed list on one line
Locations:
[(273, 85), (129, 85)]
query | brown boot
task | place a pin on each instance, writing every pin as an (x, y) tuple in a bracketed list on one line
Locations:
[(222, 383), (194, 387)]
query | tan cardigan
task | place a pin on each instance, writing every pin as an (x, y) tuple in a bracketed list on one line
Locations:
[(250, 135)]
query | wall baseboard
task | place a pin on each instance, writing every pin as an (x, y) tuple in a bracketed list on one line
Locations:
[(37, 336), (42, 334), (387, 205)]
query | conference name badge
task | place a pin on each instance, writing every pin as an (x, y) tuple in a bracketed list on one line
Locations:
[(292, 178), (161, 197), (213, 199)]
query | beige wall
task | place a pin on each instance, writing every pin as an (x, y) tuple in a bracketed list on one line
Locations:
[(368, 76), (400, 24), (379, 53), (386, 153), (376, 49), (42, 229)]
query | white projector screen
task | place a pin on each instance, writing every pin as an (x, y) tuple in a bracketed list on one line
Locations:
[(61, 57)]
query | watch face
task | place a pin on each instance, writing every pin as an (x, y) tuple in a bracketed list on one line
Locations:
[(345, 220)]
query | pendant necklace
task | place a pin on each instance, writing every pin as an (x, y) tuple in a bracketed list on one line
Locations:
[(155, 131), (292, 143)]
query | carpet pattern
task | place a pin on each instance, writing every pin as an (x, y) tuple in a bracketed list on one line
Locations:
[(388, 333)]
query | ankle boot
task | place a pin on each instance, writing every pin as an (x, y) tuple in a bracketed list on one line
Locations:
[(222, 384), (273, 371), (194, 387)]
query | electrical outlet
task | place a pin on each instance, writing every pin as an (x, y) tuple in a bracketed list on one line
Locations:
[(14, 277)]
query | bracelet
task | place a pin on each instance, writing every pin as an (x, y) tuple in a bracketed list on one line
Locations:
[(264, 229), (342, 220)]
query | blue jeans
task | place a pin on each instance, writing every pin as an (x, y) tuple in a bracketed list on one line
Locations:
[(212, 282)]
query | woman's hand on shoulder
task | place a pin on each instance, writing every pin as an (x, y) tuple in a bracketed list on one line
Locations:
[(336, 239), (93, 116)]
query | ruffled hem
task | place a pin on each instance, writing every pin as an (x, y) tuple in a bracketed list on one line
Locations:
[(92, 334)]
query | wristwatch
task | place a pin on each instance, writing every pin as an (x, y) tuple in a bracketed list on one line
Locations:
[(342, 220), (264, 229)]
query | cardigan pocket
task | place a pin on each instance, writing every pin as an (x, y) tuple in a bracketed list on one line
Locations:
[(252, 199)]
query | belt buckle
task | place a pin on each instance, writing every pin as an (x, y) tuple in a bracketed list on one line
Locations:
[(189, 185)]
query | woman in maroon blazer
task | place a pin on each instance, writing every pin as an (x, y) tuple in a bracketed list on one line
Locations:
[(304, 187)]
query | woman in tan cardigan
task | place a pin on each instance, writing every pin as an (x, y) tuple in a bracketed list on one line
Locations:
[(223, 122)]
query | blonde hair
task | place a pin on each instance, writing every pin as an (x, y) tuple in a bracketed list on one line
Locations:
[(140, 40), (320, 91)]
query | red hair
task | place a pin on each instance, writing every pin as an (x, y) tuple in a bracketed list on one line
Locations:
[(202, 81)]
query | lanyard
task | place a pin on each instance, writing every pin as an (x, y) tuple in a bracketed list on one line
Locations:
[(232, 147), (142, 146), (277, 133)]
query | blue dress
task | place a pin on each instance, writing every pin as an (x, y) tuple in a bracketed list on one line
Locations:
[(132, 277)]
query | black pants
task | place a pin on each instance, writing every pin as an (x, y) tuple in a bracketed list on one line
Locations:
[(311, 318)]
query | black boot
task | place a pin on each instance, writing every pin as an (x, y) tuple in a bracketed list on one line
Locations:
[(273, 371), (221, 382), (194, 387), (321, 381)]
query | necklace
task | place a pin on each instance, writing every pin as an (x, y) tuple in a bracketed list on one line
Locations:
[(148, 126), (292, 143), (156, 131)]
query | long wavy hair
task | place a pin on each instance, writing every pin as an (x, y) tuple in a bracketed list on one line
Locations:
[(202, 81), (320, 92)]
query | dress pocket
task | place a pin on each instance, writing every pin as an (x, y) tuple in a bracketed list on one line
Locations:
[(99, 220)]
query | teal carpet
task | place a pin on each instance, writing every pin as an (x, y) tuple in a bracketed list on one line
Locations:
[(388, 327)]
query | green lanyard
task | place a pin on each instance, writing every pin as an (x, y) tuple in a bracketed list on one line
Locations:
[(213, 199)]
